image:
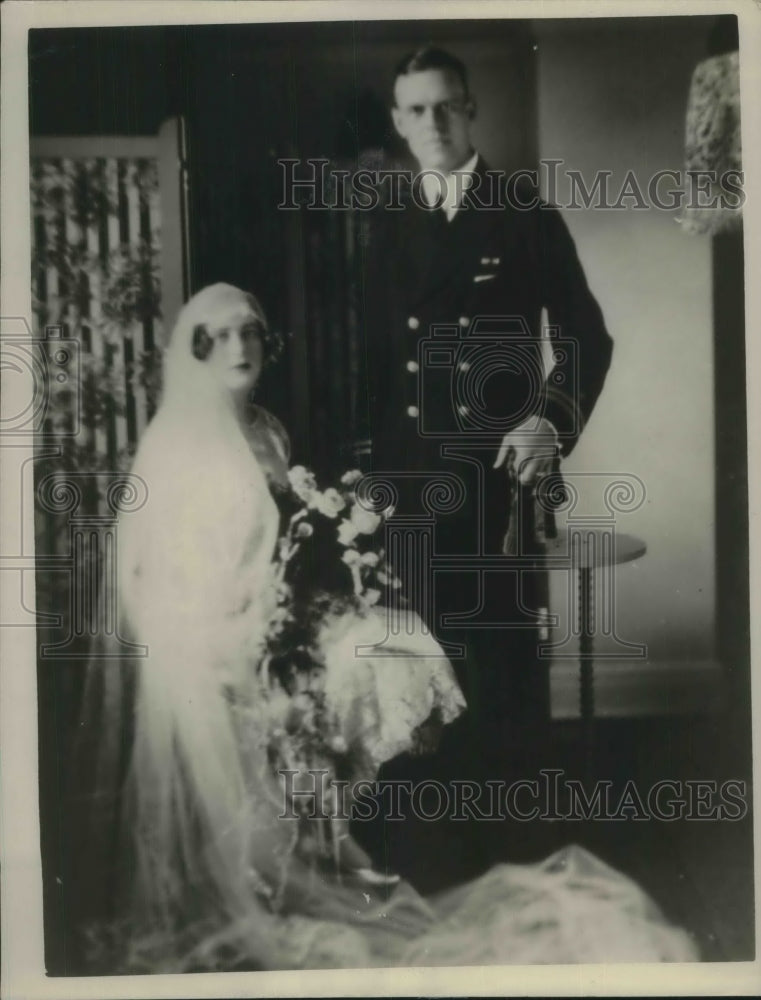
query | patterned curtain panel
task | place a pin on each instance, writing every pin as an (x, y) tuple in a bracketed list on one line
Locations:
[(96, 232), (96, 244)]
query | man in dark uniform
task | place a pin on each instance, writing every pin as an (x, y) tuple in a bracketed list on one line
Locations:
[(454, 287)]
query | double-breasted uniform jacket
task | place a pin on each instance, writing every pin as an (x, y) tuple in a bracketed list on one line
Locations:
[(451, 321), (450, 318)]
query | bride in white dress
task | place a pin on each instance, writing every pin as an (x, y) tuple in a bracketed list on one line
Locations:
[(209, 876)]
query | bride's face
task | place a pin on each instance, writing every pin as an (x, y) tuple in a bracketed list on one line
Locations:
[(236, 354)]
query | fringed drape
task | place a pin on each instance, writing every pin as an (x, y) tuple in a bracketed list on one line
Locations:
[(713, 144), (334, 242)]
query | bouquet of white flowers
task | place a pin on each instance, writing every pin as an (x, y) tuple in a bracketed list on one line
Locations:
[(355, 523), (328, 562)]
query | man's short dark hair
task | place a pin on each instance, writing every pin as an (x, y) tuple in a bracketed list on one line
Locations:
[(430, 57)]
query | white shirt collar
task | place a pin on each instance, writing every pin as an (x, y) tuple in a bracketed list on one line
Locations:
[(451, 186)]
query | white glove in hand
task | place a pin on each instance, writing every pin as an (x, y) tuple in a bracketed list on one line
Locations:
[(530, 448)]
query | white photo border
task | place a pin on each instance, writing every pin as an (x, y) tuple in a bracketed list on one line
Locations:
[(22, 920)]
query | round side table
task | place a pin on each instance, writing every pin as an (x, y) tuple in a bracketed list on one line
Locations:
[(588, 550)]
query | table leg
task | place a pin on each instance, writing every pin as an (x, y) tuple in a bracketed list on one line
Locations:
[(586, 666)]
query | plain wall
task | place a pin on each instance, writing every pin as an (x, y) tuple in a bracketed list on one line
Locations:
[(615, 98)]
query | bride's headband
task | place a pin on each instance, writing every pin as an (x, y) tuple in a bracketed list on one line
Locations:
[(210, 302)]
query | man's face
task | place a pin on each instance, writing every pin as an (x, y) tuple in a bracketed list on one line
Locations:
[(433, 114)]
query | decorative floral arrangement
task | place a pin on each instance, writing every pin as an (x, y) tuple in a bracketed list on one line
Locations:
[(327, 562), (355, 525)]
